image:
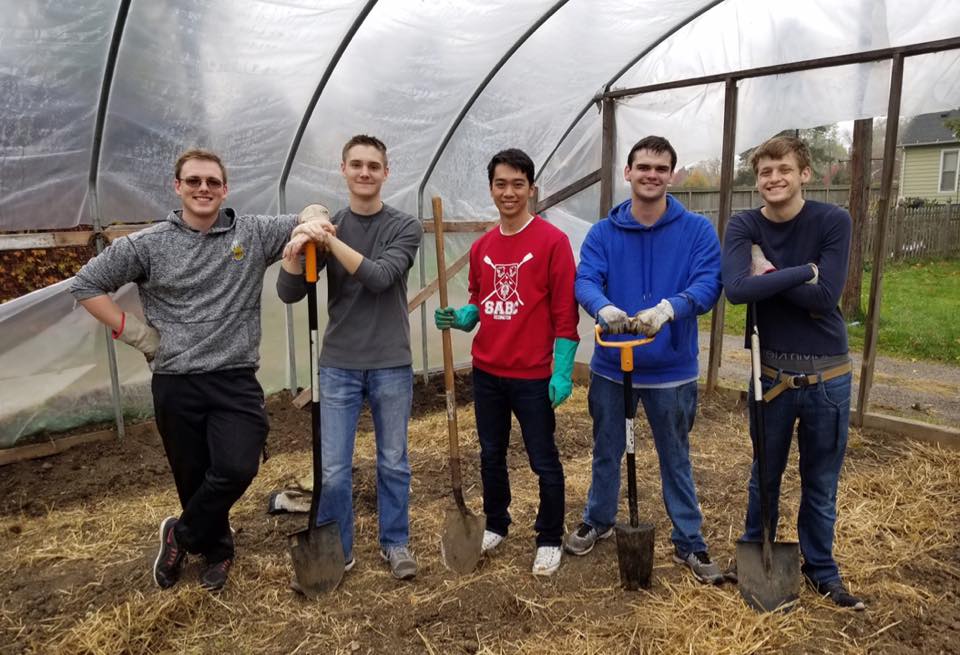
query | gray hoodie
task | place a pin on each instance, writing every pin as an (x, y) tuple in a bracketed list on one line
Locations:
[(201, 291)]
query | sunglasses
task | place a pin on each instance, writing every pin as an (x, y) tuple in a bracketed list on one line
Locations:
[(194, 182)]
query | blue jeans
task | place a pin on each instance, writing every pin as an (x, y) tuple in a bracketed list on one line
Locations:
[(823, 411), (495, 398), (670, 413), (390, 393)]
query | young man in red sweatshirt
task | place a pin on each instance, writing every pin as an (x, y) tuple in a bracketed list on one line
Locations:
[(521, 293)]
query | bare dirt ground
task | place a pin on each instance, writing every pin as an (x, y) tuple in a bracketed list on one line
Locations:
[(78, 536), (918, 390)]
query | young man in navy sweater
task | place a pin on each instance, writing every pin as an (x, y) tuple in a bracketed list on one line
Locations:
[(654, 258), (789, 258)]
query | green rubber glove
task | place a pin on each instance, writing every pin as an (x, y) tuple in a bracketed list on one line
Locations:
[(464, 318), (561, 382)]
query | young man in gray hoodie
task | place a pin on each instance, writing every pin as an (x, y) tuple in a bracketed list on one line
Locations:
[(199, 274)]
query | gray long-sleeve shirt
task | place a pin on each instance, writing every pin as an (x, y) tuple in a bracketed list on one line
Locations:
[(201, 291), (368, 326)]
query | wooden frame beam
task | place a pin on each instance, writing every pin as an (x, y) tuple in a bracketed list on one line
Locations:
[(880, 240), (726, 207)]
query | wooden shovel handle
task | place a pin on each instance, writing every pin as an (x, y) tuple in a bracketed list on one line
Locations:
[(448, 382)]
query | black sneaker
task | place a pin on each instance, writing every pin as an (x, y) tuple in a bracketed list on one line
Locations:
[(836, 592), (170, 558), (214, 576)]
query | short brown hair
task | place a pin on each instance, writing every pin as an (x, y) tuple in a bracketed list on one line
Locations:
[(199, 153), (779, 147), (364, 140)]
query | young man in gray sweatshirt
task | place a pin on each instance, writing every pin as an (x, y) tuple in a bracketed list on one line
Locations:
[(366, 346), (199, 274)]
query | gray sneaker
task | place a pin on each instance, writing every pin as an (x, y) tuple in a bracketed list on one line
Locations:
[(402, 564), (704, 570), (581, 540)]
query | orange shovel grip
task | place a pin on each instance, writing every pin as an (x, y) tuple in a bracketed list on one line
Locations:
[(626, 348)]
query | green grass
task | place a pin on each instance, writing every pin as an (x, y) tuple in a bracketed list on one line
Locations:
[(919, 312)]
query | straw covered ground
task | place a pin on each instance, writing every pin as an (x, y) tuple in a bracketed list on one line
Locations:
[(78, 532)]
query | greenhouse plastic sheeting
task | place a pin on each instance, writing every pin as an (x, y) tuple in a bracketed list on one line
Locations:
[(239, 77)]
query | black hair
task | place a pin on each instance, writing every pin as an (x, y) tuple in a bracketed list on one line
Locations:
[(514, 158)]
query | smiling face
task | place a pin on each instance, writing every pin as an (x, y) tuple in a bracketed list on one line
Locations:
[(197, 188), (365, 171), (649, 174), (510, 190), (780, 180)]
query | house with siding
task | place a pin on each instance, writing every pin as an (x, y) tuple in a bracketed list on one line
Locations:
[(930, 163)]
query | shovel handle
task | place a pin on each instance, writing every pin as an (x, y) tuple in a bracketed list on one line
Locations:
[(310, 274), (448, 381)]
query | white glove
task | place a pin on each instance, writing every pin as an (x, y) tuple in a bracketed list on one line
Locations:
[(649, 321), (138, 334), (314, 213), (613, 320), (816, 274), (759, 264)]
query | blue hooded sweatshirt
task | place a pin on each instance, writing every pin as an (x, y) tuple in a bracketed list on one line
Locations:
[(634, 267)]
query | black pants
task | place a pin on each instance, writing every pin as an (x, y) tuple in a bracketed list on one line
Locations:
[(213, 427), (529, 400)]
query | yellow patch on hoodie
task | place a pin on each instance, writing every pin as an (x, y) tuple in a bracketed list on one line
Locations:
[(236, 250)]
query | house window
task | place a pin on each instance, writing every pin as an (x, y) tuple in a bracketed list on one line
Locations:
[(948, 170)]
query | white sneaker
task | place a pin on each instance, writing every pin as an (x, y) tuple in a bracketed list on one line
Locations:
[(490, 541), (547, 560)]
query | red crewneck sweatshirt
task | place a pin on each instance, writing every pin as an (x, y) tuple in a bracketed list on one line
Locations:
[(523, 286)]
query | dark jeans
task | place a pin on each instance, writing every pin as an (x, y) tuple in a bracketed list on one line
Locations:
[(822, 414), (213, 427), (494, 399)]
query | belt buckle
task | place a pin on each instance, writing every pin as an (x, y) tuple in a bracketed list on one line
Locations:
[(797, 381)]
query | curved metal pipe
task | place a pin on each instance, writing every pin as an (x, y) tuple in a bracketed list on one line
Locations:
[(93, 177), (446, 140), (606, 87), (308, 112)]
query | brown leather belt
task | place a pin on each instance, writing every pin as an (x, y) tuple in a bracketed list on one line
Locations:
[(796, 380)]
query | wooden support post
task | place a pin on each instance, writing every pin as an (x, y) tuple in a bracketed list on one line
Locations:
[(726, 201), (880, 238), (608, 151), (859, 214)]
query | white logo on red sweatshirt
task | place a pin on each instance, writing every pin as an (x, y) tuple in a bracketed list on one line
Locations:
[(506, 279)]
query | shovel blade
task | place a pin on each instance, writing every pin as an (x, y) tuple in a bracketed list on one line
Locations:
[(635, 555), (768, 589), (462, 540), (318, 559)]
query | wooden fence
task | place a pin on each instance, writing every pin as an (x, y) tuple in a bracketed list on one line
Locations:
[(929, 232)]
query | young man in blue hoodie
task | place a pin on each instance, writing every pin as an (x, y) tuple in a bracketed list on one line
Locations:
[(661, 263)]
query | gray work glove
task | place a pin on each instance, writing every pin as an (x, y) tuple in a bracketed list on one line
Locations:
[(649, 321), (138, 334), (612, 319)]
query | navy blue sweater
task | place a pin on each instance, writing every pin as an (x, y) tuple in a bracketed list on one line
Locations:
[(794, 317)]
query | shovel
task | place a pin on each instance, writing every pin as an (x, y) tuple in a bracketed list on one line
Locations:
[(317, 552), (769, 571), (634, 541), (462, 540)]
